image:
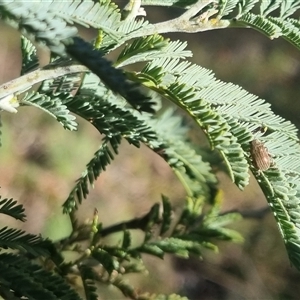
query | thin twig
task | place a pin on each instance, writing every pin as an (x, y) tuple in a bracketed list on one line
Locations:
[(188, 22), (82, 233), (26, 81)]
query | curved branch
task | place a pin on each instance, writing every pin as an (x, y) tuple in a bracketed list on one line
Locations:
[(189, 22), (26, 81)]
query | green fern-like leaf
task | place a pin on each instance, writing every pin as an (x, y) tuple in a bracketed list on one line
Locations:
[(127, 289), (176, 246), (195, 90), (88, 279), (31, 281), (227, 6), (180, 153), (261, 24), (114, 78), (226, 113), (109, 262), (110, 119), (98, 164), (288, 7), (290, 30), (141, 47), (191, 214), (273, 27), (213, 226), (105, 16), (195, 226), (246, 6), (11, 208), (191, 233), (269, 6), (181, 158), (18, 239), (215, 126), (61, 39), (152, 47), (47, 28), (53, 106), (30, 59)]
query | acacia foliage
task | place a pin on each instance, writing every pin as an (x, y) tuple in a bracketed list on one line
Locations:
[(118, 103)]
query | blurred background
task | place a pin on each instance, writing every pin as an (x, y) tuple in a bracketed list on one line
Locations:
[(40, 162)]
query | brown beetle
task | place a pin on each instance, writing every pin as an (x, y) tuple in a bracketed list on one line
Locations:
[(261, 157)]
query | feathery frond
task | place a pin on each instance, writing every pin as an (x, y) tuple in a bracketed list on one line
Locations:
[(11, 208), (192, 232), (227, 6), (53, 106), (227, 114), (222, 111), (186, 96), (153, 47), (179, 153), (30, 59), (268, 6), (30, 280), (245, 6), (38, 23), (88, 279), (94, 168), (290, 30), (288, 7), (261, 24), (110, 121), (104, 16), (115, 79), (18, 239), (175, 246)]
